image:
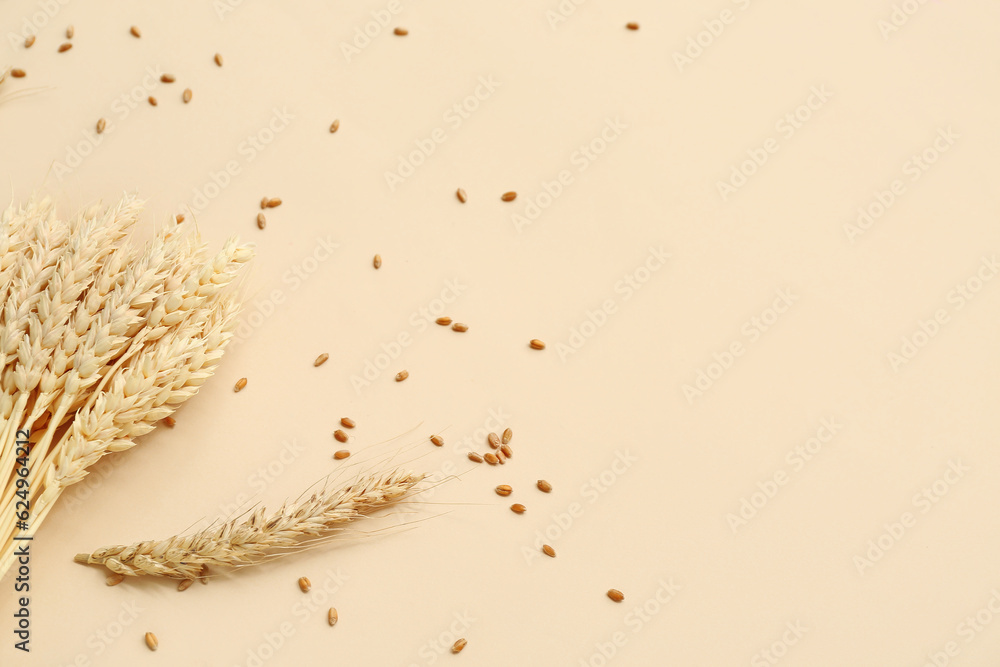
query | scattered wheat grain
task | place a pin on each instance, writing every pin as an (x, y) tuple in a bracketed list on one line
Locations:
[(135, 32), (167, 78), (152, 642), (518, 508), (490, 458), (459, 327), (443, 321), (402, 32), (321, 359), (437, 440), (377, 261), (63, 48), (494, 440), (504, 490), (458, 645), (549, 551), (332, 617), (305, 584), (462, 197), (506, 436), (218, 59), (402, 375), (536, 344), (261, 221), (334, 126), (347, 422), (544, 486), (616, 595), (342, 454), (240, 384), (475, 458), (187, 95), (508, 196)]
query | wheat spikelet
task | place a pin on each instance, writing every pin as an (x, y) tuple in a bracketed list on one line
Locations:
[(260, 536), (98, 339)]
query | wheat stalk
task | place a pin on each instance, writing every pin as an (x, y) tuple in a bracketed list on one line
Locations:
[(260, 536), (99, 340)]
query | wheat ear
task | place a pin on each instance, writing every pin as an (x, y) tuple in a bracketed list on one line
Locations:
[(259, 537)]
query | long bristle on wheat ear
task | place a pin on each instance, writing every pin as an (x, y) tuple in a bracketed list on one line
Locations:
[(299, 525), (99, 340)]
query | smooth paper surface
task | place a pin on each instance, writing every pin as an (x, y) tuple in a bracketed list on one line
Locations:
[(759, 241)]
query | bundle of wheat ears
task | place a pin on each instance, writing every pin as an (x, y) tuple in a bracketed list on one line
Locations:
[(99, 341)]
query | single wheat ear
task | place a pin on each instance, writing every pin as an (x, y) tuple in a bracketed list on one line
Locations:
[(296, 526)]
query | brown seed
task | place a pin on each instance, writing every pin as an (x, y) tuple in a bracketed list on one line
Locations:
[(321, 359), (549, 551), (504, 490), (332, 617), (263, 202), (459, 327), (114, 579), (70, 31), (242, 382), (402, 375), (632, 26), (261, 221), (187, 95), (501, 458), (167, 78), (18, 73), (490, 458), (152, 101), (462, 197), (101, 124), (508, 196), (506, 436), (151, 641), (274, 202), (29, 40), (169, 422), (544, 486), (334, 126), (341, 454), (305, 584), (616, 595), (179, 218), (63, 48), (340, 436), (475, 458), (458, 645), (507, 451), (494, 440), (184, 584), (536, 344), (518, 508), (437, 440), (377, 261), (443, 321), (402, 32), (135, 31), (218, 59), (347, 422)]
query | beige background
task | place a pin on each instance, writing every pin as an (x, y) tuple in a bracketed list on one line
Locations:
[(663, 518)]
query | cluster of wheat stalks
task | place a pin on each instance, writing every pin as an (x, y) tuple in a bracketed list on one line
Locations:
[(100, 339), (260, 536)]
